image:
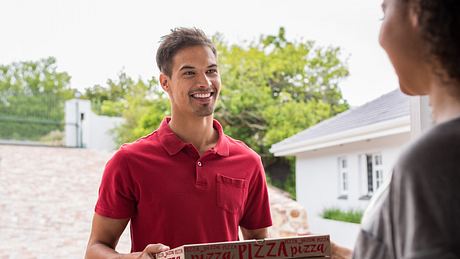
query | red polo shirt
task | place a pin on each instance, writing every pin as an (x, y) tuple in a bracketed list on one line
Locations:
[(175, 197)]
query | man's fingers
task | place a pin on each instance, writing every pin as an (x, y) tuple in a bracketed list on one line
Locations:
[(153, 249)]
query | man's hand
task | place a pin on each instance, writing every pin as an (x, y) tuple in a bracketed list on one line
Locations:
[(151, 250), (259, 233)]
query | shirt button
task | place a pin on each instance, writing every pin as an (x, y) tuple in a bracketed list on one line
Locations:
[(199, 163)]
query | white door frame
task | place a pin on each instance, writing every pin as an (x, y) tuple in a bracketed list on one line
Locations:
[(420, 115)]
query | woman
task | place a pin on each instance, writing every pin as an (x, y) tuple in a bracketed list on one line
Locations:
[(418, 215)]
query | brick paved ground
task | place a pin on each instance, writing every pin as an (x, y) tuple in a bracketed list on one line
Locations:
[(47, 197)]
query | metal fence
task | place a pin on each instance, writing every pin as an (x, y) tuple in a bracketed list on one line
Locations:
[(33, 120)]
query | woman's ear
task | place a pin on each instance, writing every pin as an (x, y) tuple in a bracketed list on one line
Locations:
[(414, 12)]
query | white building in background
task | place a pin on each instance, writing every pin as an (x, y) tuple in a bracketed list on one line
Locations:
[(86, 129), (342, 161)]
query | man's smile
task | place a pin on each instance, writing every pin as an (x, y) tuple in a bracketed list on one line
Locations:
[(202, 95)]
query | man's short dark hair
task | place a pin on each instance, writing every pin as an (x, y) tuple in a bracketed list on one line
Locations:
[(178, 39)]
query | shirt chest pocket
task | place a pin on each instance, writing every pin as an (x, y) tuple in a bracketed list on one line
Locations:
[(230, 193)]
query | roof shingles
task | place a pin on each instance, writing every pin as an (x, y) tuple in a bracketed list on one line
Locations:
[(390, 106)]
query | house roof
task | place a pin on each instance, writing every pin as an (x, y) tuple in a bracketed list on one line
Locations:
[(373, 116)]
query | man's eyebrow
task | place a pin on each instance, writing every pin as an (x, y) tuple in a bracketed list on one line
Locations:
[(192, 67), (186, 67)]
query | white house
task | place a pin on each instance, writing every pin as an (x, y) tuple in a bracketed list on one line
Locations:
[(342, 161)]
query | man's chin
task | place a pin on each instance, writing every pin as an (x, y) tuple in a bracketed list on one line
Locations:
[(204, 110), (204, 113)]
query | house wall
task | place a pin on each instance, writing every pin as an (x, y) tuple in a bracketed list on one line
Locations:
[(93, 131), (317, 175)]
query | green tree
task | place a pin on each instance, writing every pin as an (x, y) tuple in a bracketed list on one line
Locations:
[(274, 88), (147, 106), (141, 103), (111, 100), (32, 96)]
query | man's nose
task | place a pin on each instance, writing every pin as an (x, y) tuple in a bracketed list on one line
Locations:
[(204, 80)]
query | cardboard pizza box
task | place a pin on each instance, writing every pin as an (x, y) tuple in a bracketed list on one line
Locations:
[(312, 246)]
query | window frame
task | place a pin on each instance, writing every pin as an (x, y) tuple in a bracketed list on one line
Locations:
[(343, 176), (374, 172)]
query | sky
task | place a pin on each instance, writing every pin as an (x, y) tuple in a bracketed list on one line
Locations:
[(93, 40)]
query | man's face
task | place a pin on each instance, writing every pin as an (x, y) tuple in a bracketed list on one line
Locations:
[(399, 36), (194, 84)]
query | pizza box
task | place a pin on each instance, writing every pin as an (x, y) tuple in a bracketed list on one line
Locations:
[(311, 246)]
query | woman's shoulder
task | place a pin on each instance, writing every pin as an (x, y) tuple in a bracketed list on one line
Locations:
[(435, 151)]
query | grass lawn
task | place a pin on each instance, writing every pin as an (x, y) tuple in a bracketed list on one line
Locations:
[(353, 216)]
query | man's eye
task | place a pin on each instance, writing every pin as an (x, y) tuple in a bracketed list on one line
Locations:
[(189, 73), (212, 71)]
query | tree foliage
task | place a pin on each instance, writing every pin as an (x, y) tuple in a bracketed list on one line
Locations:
[(274, 88), (32, 96), (141, 103), (111, 99)]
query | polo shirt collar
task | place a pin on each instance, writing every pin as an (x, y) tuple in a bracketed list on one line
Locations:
[(221, 147), (172, 144)]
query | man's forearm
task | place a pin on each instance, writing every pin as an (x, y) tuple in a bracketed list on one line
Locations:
[(102, 251)]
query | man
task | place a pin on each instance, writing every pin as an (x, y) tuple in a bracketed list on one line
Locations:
[(187, 182)]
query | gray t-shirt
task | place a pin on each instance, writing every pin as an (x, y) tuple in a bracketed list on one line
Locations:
[(418, 215)]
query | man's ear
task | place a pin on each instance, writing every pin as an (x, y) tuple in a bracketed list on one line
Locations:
[(164, 81)]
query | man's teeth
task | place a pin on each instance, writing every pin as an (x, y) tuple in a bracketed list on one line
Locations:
[(202, 95)]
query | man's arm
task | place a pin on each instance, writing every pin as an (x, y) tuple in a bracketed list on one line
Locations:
[(254, 233), (105, 234)]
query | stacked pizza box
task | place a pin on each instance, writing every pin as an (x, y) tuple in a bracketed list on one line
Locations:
[(312, 246)]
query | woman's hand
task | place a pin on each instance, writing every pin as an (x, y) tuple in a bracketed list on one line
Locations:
[(340, 252)]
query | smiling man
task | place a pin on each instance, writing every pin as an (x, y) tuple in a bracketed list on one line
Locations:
[(187, 182)]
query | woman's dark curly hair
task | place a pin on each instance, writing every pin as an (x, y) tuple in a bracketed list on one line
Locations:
[(440, 26)]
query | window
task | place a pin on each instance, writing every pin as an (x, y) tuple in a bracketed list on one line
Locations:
[(343, 176), (378, 178), (374, 170)]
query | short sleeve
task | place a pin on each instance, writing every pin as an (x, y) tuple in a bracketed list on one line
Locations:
[(257, 207), (116, 196), (421, 214)]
